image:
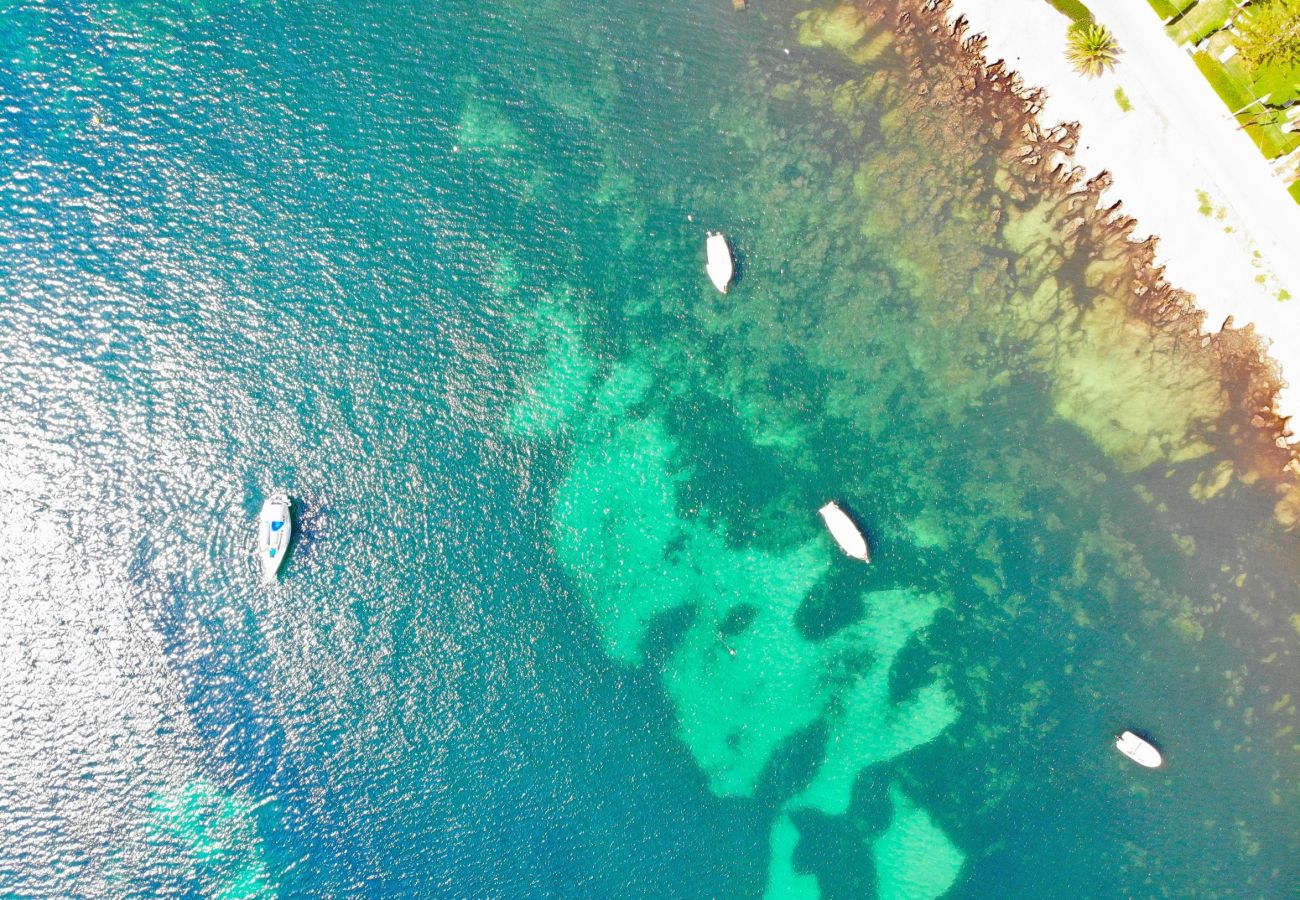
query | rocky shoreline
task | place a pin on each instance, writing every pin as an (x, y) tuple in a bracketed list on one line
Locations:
[(1126, 353)]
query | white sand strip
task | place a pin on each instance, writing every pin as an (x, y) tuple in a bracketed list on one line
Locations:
[(1178, 139)]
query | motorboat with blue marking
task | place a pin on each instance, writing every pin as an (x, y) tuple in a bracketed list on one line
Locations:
[(274, 529)]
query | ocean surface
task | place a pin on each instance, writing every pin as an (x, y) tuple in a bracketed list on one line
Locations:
[(560, 618)]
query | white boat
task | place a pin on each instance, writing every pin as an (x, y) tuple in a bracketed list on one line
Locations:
[(1138, 750), (719, 266), (846, 533), (274, 529)]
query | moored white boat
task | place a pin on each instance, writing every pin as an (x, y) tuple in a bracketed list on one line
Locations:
[(1138, 750), (845, 531), (719, 266), (274, 529)]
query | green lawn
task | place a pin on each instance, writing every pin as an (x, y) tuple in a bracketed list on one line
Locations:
[(1167, 9), (1233, 86), (1228, 84), (1201, 21), (1280, 86), (1193, 22), (1074, 9), (1219, 43), (1272, 140)]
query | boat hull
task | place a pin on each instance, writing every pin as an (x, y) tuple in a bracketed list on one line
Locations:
[(1138, 750), (274, 531), (720, 266), (845, 531)]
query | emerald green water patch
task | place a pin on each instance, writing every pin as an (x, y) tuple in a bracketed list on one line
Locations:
[(739, 691), (783, 879), (739, 697), (866, 728), (504, 278), (914, 858), (215, 835), (742, 677)]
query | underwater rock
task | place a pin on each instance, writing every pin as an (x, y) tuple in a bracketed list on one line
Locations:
[(549, 397), (1140, 407), (844, 28), (1286, 512), (841, 27), (1212, 483), (487, 129)]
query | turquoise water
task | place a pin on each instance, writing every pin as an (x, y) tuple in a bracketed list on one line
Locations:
[(560, 619)]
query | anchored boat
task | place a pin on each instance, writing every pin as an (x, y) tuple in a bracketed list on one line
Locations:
[(845, 531), (719, 266), (1138, 750), (274, 528)]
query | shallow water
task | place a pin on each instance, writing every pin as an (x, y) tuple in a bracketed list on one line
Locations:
[(560, 618)]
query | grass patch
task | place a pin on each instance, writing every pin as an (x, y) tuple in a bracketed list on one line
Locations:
[(1075, 10), (1272, 140), (1201, 21), (1232, 89), (1205, 206), (1167, 9), (1233, 86), (1122, 99), (1294, 191)]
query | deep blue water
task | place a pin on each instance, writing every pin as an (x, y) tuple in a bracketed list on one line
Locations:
[(241, 252)]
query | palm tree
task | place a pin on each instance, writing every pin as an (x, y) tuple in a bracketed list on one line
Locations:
[(1092, 48)]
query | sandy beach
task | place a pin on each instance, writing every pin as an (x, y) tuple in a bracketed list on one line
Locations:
[(1183, 169)]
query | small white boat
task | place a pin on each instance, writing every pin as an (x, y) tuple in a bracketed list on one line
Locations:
[(719, 266), (846, 533), (1138, 750), (274, 529)]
